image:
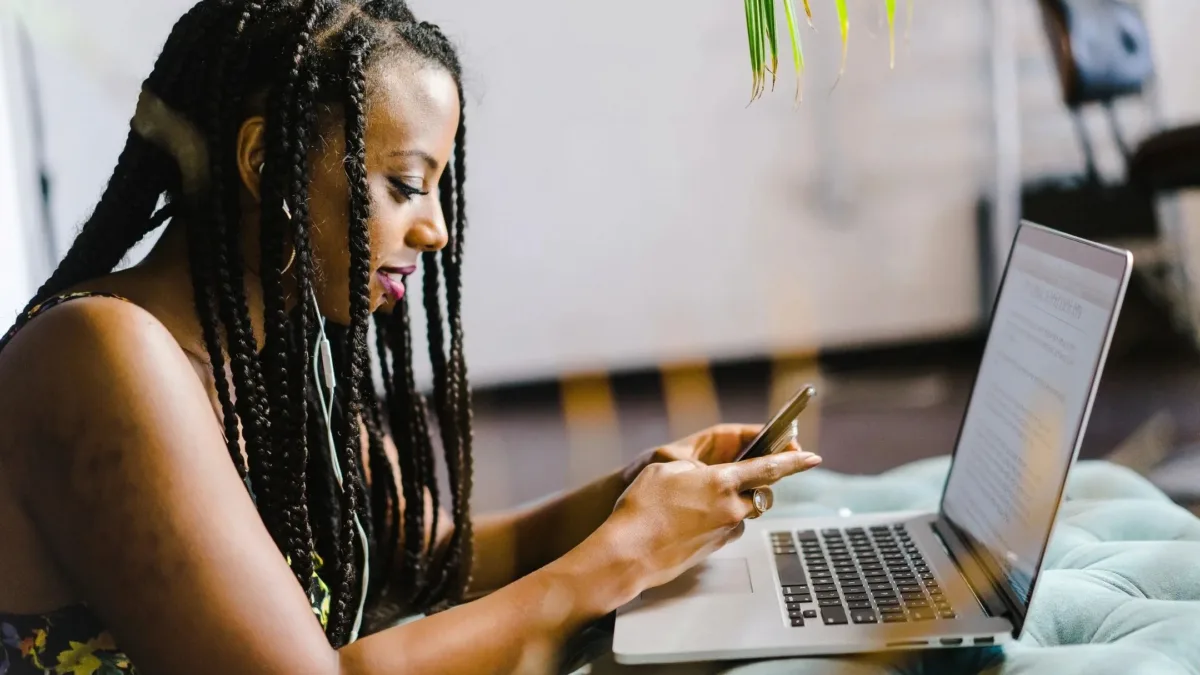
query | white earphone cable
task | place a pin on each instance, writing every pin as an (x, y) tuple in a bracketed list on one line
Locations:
[(323, 369)]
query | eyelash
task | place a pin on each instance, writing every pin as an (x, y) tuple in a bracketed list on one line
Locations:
[(405, 189)]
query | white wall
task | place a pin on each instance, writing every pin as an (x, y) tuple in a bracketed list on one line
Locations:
[(23, 258), (627, 207)]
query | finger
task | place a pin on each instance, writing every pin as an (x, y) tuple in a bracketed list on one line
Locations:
[(735, 534), (729, 439), (763, 471)]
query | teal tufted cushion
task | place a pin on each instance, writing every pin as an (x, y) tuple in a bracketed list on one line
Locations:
[(1120, 594)]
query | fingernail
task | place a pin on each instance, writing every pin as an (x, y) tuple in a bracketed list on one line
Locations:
[(812, 460)]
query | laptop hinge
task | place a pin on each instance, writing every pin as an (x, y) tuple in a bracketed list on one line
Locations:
[(981, 582)]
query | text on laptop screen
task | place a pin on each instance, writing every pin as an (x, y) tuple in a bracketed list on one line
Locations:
[(1020, 431)]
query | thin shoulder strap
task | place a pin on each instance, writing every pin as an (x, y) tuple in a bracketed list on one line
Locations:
[(50, 303)]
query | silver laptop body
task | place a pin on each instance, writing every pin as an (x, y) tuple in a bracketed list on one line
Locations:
[(963, 576)]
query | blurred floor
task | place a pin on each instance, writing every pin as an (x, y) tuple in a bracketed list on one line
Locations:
[(879, 409)]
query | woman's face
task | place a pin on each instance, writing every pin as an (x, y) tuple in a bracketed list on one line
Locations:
[(411, 119)]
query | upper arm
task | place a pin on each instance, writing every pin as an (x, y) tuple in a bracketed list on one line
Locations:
[(126, 475)]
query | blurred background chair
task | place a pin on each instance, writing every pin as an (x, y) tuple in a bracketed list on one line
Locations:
[(1103, 55), (1102, 52)]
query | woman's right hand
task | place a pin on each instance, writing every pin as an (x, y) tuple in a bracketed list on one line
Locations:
[(675, 514)]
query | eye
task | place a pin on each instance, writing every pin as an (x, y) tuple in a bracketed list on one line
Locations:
[(405, 187)]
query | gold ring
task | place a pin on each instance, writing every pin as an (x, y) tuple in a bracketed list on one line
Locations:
[(762, 499)]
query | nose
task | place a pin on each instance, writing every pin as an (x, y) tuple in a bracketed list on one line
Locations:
[(428, 233)]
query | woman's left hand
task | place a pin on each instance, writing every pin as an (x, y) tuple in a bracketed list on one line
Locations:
[(715, 445)]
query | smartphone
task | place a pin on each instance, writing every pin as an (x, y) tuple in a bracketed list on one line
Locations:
[(782, 429)]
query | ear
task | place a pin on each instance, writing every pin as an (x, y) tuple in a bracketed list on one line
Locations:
[(251, 153)]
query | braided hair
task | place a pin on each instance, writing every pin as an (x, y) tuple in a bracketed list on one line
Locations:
[(291, 57)]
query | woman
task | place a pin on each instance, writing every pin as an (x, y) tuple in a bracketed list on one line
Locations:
[(196, 481)]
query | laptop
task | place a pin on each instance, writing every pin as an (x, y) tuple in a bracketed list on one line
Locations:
[(963, 576)]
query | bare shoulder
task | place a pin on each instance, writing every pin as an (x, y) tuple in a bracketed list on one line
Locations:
[(66, 371), (130, 487)]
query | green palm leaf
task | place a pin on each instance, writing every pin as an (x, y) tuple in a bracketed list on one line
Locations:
[(797, 49), (890, 5), (761, 33), (844, 22), (808, 13)]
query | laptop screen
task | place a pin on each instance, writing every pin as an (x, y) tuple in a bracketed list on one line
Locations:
[(1050, 330)]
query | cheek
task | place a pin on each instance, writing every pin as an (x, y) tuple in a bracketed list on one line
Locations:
[(387, 232)]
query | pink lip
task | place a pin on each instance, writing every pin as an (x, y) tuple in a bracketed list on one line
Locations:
[(392, 279)]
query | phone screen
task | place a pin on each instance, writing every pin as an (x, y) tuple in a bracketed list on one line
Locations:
[(780, 427)]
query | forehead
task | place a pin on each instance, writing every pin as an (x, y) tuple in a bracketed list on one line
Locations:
[(412, 103)]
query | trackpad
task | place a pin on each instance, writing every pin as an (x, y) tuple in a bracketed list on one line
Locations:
[(729, 576)]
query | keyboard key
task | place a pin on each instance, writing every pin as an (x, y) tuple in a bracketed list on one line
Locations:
[(829, 602), (852, 583), (793, 606), (796, 614), (856, 596), (909, 588), (823, 595), (821, 575), (880, 586), (948, 615), (831, 532), (883, 593), (797, 623), (798, 588), (894, 618), (912, 596), (833, 616), (921, 569), (921, 615), (791, 570), (931, 584), (863, 616), (802, 597), (810, 613), (887, 602), (806, 535), (825, 587), (926, 575), (858, 604), (856, 530)]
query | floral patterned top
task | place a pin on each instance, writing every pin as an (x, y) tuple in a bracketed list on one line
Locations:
[(72, 640)]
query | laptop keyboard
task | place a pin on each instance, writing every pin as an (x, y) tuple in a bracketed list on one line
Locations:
[(857, 575)]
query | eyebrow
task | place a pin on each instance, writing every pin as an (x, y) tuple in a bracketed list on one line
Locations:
[(423, 156)]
